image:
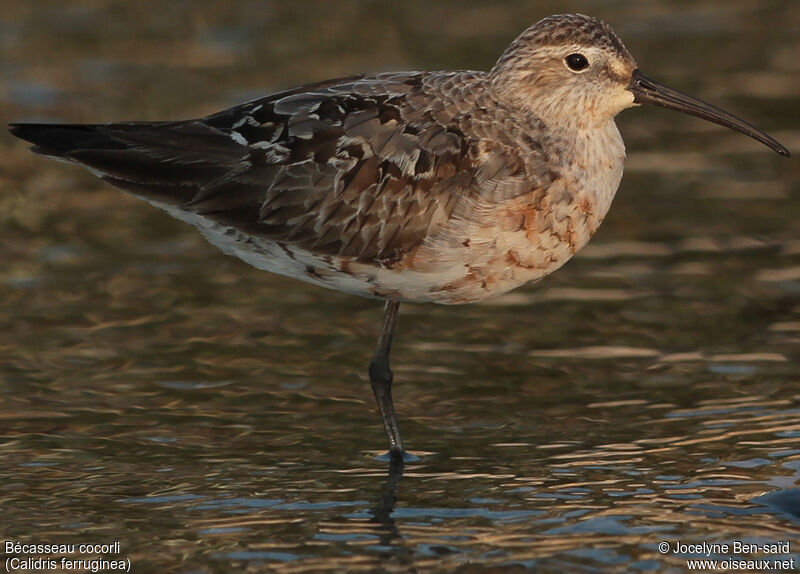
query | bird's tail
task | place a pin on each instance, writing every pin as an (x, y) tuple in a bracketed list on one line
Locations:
[(163, 161), (60, 140)]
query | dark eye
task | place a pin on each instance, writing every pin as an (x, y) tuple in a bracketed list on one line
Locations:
[(577, 62)]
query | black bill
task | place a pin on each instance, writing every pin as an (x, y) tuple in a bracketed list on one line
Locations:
[(648, 91)]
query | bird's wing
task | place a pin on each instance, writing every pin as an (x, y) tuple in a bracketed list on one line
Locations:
[(362, 167)]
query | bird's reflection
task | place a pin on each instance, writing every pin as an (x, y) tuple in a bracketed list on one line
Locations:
[(386, 501), (390, 537)]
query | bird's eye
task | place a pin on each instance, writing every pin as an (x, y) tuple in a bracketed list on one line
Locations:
[(577, 62)]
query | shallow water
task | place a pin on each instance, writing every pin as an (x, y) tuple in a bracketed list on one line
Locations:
[(212, 418)]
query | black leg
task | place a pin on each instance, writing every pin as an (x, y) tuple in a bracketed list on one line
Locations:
[(380, 376)]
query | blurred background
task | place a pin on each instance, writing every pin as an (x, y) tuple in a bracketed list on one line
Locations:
[(213, 417)]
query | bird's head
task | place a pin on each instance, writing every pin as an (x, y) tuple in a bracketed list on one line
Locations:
[(573, 70)]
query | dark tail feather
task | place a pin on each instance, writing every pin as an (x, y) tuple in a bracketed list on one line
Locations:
[(159, 160), (61, 139)]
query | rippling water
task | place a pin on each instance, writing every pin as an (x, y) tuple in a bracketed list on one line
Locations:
[(211, 417)]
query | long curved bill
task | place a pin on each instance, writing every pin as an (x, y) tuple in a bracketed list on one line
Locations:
[(648, 91)]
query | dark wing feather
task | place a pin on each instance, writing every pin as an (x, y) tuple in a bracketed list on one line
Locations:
[(362, 167)]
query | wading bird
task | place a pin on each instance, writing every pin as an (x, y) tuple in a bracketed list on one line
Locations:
[(444, 187)]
